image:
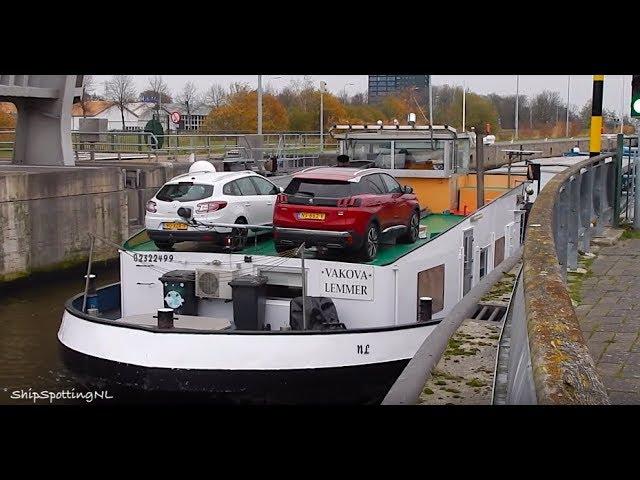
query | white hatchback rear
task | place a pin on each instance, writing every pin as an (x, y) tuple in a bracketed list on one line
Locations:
[(185, 208)]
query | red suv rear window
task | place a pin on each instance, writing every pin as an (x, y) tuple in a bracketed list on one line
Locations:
[(321, 188)]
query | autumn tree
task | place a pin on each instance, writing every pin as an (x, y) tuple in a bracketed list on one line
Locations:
[(121, 91), (88, 90), (240, 114)]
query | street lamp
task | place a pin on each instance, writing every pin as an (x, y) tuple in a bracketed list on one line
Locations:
[(260, 103), (323, 85), (517, 102), (568, 93)]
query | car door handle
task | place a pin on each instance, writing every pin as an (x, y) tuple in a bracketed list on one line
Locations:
[(247, 204), (269, 203)]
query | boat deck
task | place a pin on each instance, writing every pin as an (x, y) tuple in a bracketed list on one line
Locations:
[(436, 224)]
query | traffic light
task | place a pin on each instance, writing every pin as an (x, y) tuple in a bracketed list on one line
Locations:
[(635, 96)]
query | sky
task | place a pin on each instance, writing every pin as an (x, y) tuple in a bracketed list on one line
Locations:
[(581, 85)]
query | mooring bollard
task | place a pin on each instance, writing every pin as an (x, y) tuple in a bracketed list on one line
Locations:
[(165, 318), (426, 309)]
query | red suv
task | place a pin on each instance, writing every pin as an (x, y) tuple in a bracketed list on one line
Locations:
[(345, 208)]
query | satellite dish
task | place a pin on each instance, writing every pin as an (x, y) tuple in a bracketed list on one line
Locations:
[(202, 166)]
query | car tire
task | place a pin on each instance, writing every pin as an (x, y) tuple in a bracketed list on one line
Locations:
[(164, 246), (371, 243), (239, 235), (411, 235)]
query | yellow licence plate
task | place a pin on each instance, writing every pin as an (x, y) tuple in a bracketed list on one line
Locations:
[(310, 216), (174, 226)]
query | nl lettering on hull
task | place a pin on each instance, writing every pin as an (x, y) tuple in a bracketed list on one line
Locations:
[(355, 283)]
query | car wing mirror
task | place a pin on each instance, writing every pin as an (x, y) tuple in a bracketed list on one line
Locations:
[(281, 189), (407, 189)]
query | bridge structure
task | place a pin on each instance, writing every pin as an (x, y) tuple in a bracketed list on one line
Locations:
[(43, 128)]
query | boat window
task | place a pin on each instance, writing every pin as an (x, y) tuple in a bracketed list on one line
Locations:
[(231, 189), (264, 187), (484, 255), (184, 192), (392, 185), (246, 186), (421, 155), (372, 151), (499, 252), (431, 284), (320, 188)]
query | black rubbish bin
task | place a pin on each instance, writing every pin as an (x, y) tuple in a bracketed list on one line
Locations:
[(179, 290), (249, 294)]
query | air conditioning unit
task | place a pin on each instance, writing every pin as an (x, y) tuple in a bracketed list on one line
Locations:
[(212, 283)]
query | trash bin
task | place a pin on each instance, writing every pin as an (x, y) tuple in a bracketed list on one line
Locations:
[(249, 293), (179, 289)]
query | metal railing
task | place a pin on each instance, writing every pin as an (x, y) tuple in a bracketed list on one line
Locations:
[(548, 360)]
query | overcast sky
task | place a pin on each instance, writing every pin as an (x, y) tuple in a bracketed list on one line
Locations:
[(581, 85)]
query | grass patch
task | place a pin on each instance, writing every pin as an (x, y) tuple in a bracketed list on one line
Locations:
[(455, 348), (575, 280), (428, 391), (440, 382), (629, 232), (476, 382), (451, 390)]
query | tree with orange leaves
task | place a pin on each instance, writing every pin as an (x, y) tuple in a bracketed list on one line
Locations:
[(240, 114)]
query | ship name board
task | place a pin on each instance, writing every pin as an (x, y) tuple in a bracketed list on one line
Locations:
[(355, 283)]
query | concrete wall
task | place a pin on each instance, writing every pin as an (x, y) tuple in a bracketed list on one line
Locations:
[(46, 212)]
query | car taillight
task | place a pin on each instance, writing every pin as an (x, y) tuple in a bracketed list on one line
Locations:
[(282, 198), (208, 207), (151, 207), (350, 202)]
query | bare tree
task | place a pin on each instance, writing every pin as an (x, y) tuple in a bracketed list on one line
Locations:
[(160, 91), (216, 96), (121, 91), (88, 88), (189, 97)]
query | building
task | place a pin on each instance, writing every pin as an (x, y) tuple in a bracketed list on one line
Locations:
[(382, 85), (137, 114)]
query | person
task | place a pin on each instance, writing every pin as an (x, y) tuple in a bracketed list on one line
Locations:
[(343, 160)]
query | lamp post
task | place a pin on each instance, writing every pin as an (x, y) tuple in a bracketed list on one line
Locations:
[(568, 93), (517, 102), (323, 85), (464, 105), (259, 104)]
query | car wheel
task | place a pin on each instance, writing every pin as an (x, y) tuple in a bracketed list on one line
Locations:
[(369, 248), (239, 235), (164, 245), (414, 226)]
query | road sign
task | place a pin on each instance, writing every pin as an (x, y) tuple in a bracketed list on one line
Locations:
[(635, 96), (175, 117)]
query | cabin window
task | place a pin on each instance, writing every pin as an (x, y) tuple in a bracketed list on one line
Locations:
[(431, 284), (484, 255), (421, 155), (499, 252)]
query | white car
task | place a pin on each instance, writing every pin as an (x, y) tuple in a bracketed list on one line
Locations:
[(185, 208)]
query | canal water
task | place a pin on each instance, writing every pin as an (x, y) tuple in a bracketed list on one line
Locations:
[(31, 371)]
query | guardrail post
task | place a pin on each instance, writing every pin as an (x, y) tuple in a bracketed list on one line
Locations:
[(586, 208), (573, 222), (597, 200), (561, 230), (618, 183)]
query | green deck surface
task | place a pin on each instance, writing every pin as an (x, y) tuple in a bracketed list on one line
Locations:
[(436, 224)]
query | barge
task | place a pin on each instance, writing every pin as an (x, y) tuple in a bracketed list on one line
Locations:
[(296, 327)]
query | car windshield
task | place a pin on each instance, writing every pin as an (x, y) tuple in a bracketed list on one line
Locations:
[(320, 188), (184, 192)]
